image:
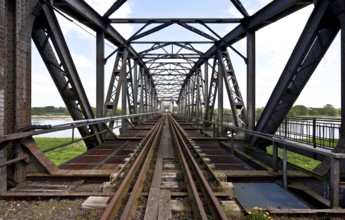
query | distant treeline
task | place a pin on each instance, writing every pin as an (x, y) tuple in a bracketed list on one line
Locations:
[(49, 110), (52, 110), (297, 110), (327, 110)]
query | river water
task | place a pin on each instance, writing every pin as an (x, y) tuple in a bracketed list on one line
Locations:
[(55, 121), (63, 133)]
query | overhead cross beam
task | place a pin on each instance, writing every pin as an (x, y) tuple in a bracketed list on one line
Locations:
[(175, 20)]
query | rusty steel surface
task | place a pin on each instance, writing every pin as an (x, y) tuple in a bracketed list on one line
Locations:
[(122, 190), (209, 196), (104, 158)]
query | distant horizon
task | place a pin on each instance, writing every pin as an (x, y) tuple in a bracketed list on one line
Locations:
[(176, 105)]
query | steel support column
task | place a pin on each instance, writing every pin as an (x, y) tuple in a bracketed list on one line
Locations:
[(221, 73), (342, 132), (16, 23), (233, 89), (141, 104), (135, 86), (212, 93), (123, 82), (251, 79), (117, 79), (100, 74), (198, 96), (205, 86)]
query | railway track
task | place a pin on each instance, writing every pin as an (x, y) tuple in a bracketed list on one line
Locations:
[(163, 168), (175, 172)]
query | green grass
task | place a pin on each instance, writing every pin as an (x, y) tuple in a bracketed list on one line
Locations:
[(297, 159), (60, 155), (324, 142)]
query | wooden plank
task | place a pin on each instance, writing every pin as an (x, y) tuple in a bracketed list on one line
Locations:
[(152, 206), (164, 211)]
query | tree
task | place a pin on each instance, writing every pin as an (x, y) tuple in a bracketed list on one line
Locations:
[(329, 110), (300, 110)]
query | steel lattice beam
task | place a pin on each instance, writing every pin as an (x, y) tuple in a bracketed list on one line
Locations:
[(270, 13), (232, 88), (318, 34), (64, 74)]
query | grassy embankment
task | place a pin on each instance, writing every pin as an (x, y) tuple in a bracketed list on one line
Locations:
[(299, 160), (58, 156)]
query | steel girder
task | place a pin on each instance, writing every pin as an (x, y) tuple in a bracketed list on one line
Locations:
[(119, 70), (47, 35), (197, 95), (232, 88), (270, 13), (318, 34), (141, 84), (194, 96), (130, 90), (90, 18), (200, 102), (117, 4), (212, 93), (240, 8), (175, 20)]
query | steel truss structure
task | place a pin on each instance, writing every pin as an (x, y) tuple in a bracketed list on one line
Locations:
[(147, 72)]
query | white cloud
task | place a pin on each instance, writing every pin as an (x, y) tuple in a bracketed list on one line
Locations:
[(234, 12), (71, 27), (82, 61)]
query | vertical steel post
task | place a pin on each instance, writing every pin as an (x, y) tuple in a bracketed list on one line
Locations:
[(135, 86), (314, 132), (342, 86), (206, 84), (275, 157), (251, 79), (124, 93), (334, 182), (285, 167), (3, 113), (198, 105), (100, 74), (145, 92), (220, 93), (142, 90)]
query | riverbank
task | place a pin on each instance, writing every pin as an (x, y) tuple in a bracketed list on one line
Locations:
[(63, 154), (51, 117)]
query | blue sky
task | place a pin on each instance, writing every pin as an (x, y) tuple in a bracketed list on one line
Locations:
[(274, 44)]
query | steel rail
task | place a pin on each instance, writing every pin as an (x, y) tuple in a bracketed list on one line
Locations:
[(208, 194), (197, 205), (137, 189), (115, 203)]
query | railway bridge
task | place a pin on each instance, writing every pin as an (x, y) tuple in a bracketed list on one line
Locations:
[(160, 134)]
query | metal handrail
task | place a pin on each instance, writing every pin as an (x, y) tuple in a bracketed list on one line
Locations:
[(335, 158), (69, 125)]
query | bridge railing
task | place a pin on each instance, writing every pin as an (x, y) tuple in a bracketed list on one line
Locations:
[(280, 142), (318, 132), (34, 130)]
